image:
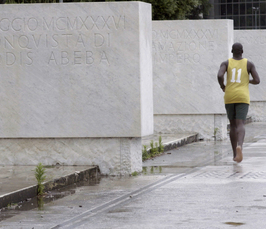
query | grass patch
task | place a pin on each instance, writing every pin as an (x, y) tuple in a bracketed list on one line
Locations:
[(155, 149)]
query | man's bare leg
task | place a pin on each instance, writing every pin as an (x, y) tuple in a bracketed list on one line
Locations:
[(239, 154), (240, 130), (233, 136)]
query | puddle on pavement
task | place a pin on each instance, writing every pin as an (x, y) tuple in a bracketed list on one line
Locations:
[(236, 224), (121, 210), (152, 170), (160, 170), (39, 202), (167, 169)]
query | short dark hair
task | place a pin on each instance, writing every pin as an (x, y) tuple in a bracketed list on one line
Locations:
[(237, 48)]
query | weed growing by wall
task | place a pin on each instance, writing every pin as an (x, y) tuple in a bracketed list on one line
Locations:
[(40, 177)]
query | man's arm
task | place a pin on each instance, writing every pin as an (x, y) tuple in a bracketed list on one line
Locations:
[(220, 75), (252, 70)]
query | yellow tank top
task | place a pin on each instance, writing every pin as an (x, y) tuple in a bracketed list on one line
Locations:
[(237, 86)]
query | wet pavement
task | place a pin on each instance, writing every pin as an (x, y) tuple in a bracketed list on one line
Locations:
[(18, 183), (13, 178), (194, 186)]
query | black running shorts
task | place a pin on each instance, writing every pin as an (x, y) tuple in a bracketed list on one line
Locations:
[(237, 110)]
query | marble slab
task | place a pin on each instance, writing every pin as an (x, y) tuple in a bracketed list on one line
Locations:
[(186, 58), (254, 46), (76, 70)]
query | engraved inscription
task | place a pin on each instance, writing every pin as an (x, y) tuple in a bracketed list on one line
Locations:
[(77, 58), (249, 39), (258, 39), (87, 23), (18, 58), (182, 46), (62, 40), (186, 34)]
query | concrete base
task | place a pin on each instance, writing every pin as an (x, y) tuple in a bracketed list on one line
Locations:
[(257, 111), (209, 126), (114, 156)]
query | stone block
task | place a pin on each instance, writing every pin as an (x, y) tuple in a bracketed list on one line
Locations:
[(114, 156), (257, 111), (76, 84), (187, 56), (254, 45), (76, 70), (209, 126)]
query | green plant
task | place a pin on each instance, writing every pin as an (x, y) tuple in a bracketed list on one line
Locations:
[(161, 147), (152, 169), (144, 170), (40, 177), (12, 206), (152, 150), (215, 132), (145, 154), (160, 169), (156, 149), (134, 173), (40, 202)]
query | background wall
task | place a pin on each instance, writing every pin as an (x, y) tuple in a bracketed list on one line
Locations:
[(75, 70), (254, 45), (187, 55), (76, 84)]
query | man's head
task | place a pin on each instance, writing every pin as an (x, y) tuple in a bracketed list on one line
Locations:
[(237, 49)]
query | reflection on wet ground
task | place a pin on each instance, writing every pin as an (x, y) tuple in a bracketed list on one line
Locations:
[(40, 201), (178, 161), (188, 157), (172, 162), (234, 223)]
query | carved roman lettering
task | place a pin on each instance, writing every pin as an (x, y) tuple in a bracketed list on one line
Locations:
[(99, 40), (55, 41), (83, 23), (80, 41), (89, 57), (72, 25), (94, 22), (48, 25), (120, 22), (61, 23), (8, 42), (32, 24), (4, 24), (36, 39), (23, 42), (52, 59), (64, 58), (77, 57), (106, 22), (67, 38), (17, 24), (29, 58), (104, 58), (10, 58)]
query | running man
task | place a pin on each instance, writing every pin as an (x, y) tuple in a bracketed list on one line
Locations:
[(236, 96)]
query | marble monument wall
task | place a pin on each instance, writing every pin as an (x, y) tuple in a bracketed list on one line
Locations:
[(77, 75), (254, 45), (186, 57)]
